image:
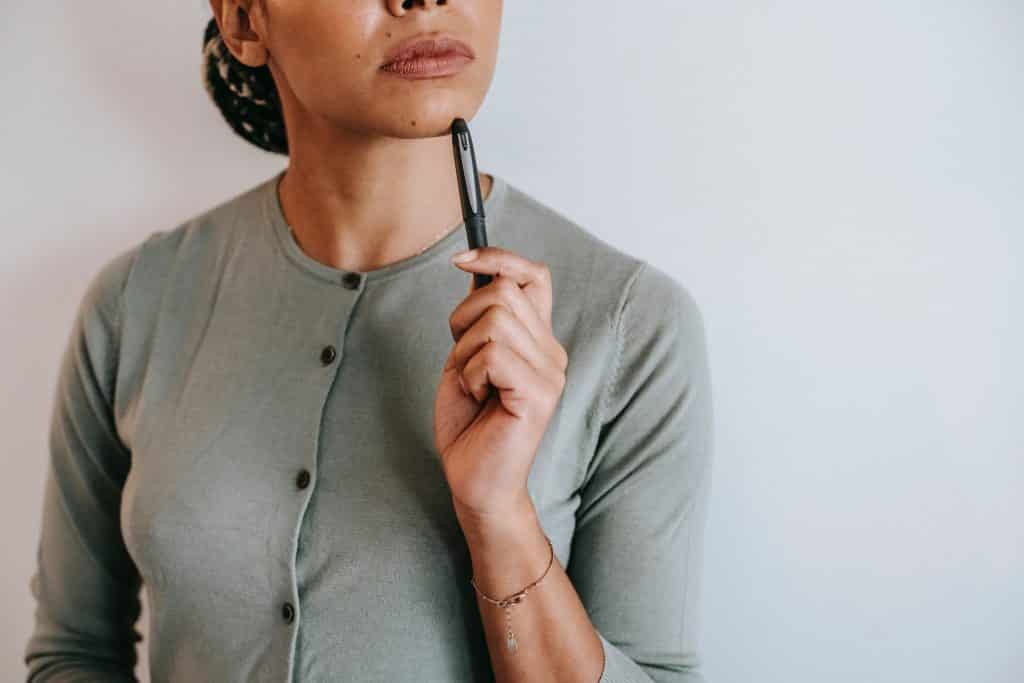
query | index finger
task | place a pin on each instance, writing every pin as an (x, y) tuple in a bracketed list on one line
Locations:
[(532, 277)]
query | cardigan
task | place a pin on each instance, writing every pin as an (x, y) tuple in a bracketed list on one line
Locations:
[(245, 433)]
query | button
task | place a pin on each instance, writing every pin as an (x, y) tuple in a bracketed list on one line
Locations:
[(351, 280), (302, 480), (288, 612), (328, 355)]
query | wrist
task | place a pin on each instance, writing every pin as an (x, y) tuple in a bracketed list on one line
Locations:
[(498, 526), (506, 552)]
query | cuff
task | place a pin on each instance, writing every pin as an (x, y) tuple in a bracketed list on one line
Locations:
[(620, 668)]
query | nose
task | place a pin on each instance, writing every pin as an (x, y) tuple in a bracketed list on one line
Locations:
[(409, 4)]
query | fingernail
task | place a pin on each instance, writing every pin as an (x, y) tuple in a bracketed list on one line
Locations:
[(463, 385), (463, 256)]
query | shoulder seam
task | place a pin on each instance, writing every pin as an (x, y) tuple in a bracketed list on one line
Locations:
[(120, 302), (619, 343), (119, 325)]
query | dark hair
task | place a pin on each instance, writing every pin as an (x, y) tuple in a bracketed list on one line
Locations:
[(246, 96)]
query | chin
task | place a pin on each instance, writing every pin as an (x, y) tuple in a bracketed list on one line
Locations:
[(413, 124)]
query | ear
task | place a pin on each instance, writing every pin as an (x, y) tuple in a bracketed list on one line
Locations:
[(238, 30)]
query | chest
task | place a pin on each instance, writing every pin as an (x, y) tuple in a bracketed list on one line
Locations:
[(242, 393)]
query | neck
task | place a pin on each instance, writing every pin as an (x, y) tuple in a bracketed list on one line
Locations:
[(361, 206)]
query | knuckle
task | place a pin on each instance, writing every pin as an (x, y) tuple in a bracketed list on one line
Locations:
[(491, 352), (457, 354), (498, 317), (506, 286), (552, 393), (469, 370)]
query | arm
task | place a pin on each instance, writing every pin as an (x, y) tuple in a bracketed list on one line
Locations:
[(550, 626), (86, 586), (637, 549)]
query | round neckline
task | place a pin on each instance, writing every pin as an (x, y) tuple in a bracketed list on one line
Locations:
[(454, 239)]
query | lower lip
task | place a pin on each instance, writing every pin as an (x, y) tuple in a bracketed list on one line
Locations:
[(438, 66)]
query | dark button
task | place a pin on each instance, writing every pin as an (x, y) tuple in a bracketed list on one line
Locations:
[(328, 355), (351, 280), (288, 612), (302, 481)]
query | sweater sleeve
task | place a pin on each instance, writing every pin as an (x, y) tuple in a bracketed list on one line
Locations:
[(85, 585), (637, 550)]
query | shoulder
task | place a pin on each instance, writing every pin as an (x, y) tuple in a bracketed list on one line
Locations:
[(590, 272), (125, 289), (104, 290), (211, 230), (539, 231), (657, 302), (179, 255)]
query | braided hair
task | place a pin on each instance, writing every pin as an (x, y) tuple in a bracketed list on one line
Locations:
[(246, 96)]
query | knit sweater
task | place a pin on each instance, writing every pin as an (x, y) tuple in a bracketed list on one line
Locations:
[(245, 433)]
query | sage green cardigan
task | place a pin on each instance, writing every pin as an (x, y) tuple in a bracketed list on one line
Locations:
[(246, 433)]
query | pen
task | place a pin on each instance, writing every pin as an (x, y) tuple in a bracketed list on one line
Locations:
[(469, 192)]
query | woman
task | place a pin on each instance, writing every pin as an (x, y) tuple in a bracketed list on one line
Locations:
[(327, 458)]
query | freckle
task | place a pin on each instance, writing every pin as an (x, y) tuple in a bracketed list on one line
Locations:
[(388, 35), (414, 122), (358, 56)]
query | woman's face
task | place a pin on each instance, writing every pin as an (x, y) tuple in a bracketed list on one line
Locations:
[(326, 58)]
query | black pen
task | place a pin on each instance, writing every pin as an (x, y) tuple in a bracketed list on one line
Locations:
[(469, 192)]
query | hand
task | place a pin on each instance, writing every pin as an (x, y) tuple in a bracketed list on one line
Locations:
[(513, 370)]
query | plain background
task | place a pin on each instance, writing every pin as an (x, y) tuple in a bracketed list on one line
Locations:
[(840, 187)]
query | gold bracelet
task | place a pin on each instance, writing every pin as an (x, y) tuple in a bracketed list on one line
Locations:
[(514, 599)]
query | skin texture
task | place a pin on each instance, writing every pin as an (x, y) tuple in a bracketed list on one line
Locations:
[(370, 179)]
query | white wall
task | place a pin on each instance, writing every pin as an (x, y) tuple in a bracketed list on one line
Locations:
[(838, 184)]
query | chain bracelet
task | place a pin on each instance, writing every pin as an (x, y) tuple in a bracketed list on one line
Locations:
[(514, 599)]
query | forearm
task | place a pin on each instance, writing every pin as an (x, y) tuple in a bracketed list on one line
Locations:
[(555, 640), (73, 669)]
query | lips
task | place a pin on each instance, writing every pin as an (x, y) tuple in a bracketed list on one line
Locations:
[(427, 45)]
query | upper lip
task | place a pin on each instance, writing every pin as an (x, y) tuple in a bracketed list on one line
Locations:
[(427, 45)]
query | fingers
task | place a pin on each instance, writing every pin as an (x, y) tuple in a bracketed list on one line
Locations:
[(533, 277), (502, 292), (499, 326), (509, 321), (521, 389)]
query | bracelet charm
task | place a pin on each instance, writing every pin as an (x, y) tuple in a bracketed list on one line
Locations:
[(514, 599)]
